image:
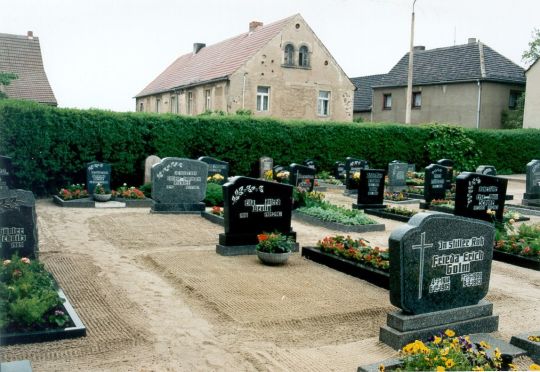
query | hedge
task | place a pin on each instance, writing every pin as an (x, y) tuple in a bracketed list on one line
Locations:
[(51, 146)]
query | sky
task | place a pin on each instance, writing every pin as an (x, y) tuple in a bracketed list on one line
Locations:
[(101, 53)]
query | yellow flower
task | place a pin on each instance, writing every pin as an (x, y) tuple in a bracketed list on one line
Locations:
[(449, 363), (477, 368), (445, 351), (381, 368), (511, 221), (449, 333), (484, 345), (7, 262), (437, 340), (440, 369), (497, 353), (534, 367)]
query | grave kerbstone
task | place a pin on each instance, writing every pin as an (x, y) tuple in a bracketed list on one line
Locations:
[(532, 180), (6, 173), (98, 173), (488, 170), (448, 163), (531, 347), (265, 164), (179, 185), (148, 164), (352, 166), (371, 189), (435, 182), (18, 224), (477, 193), (440, 266), (216, 166), (302, 176), (253, 206), (397, 176), (339, 170)]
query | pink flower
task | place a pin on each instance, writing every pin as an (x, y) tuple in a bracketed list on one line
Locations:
[(25, 260)]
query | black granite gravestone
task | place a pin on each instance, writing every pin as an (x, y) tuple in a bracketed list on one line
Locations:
[(397, 176), (253, 206), (371, 189), (435, 182), (448, 163), (302, 176), (532, 180), (98, 173), (477, 193), (216, 166), (352, 166), (265, 164), (18, 224), (339, 170), (179, 185), (488, 170), (6, 173), (310, 163)]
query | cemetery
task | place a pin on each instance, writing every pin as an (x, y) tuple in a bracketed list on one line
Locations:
[(196, 259)]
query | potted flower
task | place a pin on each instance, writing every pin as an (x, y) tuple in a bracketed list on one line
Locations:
[(100, 194), (274, 248)]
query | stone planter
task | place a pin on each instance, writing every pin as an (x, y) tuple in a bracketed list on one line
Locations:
[(102, 197), (273, 258)]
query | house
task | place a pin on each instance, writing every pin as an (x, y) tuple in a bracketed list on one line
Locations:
[(531, 115), (363, 95), (21, 55), (469, 85), (279, 70)]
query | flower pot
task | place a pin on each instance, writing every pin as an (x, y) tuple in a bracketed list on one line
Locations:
[(273, 258), (102, 197)]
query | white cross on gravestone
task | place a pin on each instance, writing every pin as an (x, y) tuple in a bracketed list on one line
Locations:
[(422, 246)]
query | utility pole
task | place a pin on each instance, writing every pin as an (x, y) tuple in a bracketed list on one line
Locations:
[(410, 74)]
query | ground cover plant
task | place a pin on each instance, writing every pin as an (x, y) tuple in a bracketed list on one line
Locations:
[(523, 240), (400, 211), (358, 250), (74, 191), (394, 196)]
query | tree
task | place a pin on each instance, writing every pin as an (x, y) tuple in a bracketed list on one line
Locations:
[(5, 80), (533, 53)]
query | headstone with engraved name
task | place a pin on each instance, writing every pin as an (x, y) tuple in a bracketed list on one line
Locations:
[(216, 166), (440, 267), (148, 164), (339, 170), (435, 182), (6, 173), (265, 164), (532, 180), (18, 224), (251, 207), (488, 170), (179, 185), (98, 173), (476, 194), (352, 166), (397, 176), (371, 189), (302, 176)]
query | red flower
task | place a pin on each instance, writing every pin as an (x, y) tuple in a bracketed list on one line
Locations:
[(262, 237)]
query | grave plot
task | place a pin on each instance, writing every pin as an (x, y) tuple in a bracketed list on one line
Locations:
[(393, 213)]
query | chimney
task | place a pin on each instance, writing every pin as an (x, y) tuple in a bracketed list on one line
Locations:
[(253, 25), (30, 35), (418, 48), (472, 40), (197, 47)]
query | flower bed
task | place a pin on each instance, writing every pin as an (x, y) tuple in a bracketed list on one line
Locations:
[(519, 246), (215, 215), (393, 213)]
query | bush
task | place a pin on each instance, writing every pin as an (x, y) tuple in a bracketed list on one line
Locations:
[(214, 195), (333, 213)]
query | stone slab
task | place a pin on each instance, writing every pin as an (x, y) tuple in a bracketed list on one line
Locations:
[(16, 366), (111, 204), (366, 206), (517, 260), (178, 208), (213, 218), (494, 343), (242, 250), (299, 216), (77, 203), (530, 347), (383, 214), (389, 365)]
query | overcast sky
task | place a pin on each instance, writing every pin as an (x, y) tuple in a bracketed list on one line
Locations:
[(101, 53)]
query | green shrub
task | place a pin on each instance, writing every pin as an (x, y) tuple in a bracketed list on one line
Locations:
[(452, 142), (147, 189), (214, 195)]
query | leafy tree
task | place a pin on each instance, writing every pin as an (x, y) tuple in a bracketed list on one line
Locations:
[(5, 80), (513, 119), (533, 53)]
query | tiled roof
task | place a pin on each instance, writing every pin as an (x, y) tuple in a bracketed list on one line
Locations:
[(455, 64), (363, 93), (22, 55), (215, 61)]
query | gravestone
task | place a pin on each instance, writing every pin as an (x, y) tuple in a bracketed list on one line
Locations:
[(477, 193), (97, 172), (449, 176), (440, 266), (488, 170), (371, 189), (265, 164), (302, 176), (411, 167), (179, 186), (339, 170), (532, 181), (435, 182), (216, 166), (397, 176), (352, 166), (6, 173), (148, 164), (253, 206), (18, 224), (310, 163)]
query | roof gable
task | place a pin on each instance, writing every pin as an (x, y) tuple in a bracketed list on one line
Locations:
[(22, 55), (363, 93), (214, 62)]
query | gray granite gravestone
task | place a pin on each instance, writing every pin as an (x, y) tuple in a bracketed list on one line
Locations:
[(532, 182), (6, 173), (488, 170), (397, 176), (148, 164), (98, 173), (179, 185), (476, 194), (216, 166), (18, 224), (440, 266), (265, 164)]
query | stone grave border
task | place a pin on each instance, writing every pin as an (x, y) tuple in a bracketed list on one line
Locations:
[(383, 214), (302, 217), (89, 202), (213, 218), (516, 259), (532, 348)]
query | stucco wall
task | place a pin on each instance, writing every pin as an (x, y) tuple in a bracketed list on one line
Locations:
[(531, 117)]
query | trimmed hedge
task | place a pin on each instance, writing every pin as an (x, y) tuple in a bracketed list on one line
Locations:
[(51, 146)]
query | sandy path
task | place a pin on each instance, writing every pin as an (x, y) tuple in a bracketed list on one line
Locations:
[(155, 297)]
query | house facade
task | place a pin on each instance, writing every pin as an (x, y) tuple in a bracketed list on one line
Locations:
[(21, 55), (281, 70), (468, 85), (531, 115)]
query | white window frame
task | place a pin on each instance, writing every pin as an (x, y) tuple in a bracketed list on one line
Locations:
[(174, 104), (189, 102), (158, 105), (303, 56), (207, 99), (262, 98), (288, 55), (387, 101), (323, 103), (417, 100)]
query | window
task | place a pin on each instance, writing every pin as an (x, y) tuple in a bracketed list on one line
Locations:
[(141, 107), (289, 55), (303, 56), (263, 97), (417, 99), (387, 101), (512, 102), (174, 104), (189, 103), (323, 103), (207, 100), (158, 105)]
